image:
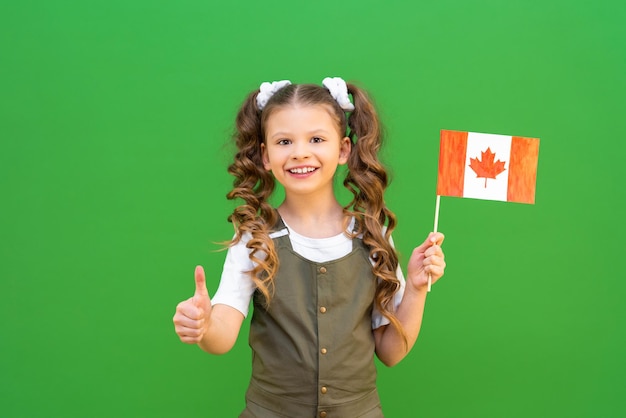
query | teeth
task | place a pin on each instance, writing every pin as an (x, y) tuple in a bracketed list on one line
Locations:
[(302, 170)]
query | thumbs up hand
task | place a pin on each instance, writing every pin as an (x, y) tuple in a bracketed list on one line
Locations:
[(192, 316)]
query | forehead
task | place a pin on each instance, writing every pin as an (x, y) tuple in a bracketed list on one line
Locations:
[(293, 118)]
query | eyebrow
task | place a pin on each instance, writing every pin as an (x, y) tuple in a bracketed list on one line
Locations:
[(313, 132)]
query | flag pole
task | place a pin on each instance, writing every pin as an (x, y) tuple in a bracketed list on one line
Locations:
[(430, 279)]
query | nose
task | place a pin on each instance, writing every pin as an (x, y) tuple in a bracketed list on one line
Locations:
[(300, 150)]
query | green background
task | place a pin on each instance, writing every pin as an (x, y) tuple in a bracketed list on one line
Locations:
[(115, 119)]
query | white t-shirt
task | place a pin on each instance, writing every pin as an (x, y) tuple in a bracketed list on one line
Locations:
[(236, 286)]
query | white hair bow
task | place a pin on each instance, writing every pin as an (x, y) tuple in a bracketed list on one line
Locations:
[(268, 90), (335, 85), (339, 90)]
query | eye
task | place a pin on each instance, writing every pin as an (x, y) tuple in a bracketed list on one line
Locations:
[(283, 142), (317, 139)]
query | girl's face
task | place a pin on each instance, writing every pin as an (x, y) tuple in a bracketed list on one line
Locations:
[(303, 148)]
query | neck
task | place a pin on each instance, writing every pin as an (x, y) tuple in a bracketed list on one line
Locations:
[(313, 217)]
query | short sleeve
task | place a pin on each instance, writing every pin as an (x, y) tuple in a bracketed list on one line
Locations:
[(378, 319), (236, 286)]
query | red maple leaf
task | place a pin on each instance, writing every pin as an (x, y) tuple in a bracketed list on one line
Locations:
[(487, 168)]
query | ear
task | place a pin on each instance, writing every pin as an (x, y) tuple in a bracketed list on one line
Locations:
[(344, 150), (265, 157)]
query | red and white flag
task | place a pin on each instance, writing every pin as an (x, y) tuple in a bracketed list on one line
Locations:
[(487, 166)]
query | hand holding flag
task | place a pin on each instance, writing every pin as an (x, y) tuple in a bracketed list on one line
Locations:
[(427, 262)]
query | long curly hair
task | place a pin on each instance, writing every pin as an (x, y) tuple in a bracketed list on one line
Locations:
[(366, 179)]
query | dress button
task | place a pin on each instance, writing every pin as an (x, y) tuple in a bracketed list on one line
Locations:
[(323, 414), (323, 270), (324, 389), (323, 309), (324, 351)]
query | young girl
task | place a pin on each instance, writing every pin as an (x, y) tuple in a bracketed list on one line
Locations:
[(324, 279)]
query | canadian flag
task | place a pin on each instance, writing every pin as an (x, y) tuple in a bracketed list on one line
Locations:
[(487, 166)]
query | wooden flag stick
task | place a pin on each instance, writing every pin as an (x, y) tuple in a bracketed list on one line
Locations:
[(430, 279)]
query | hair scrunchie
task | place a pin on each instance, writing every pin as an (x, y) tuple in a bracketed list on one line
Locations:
[(339, 90), (268, 90)]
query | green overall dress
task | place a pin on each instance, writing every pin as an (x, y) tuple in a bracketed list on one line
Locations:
[(313, 348)]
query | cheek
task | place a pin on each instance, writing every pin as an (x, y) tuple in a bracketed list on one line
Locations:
[(272, 158)]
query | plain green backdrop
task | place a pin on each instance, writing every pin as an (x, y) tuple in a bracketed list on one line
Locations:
[(115, 121)]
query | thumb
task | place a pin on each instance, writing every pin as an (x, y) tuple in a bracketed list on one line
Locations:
[(434, 238), (428, 242), (201, 291)]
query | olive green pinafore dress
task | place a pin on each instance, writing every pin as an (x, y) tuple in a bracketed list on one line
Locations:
[(313, 348)]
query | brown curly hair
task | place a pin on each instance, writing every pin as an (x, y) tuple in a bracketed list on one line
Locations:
[(366, 179)]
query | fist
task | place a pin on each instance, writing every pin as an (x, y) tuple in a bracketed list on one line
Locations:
[(192, 316), (426, 261)]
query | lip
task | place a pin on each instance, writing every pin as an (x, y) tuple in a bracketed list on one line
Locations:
[(304, 171)]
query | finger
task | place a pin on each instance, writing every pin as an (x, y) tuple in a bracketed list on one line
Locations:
[(435, 257), (189, 332), (434, 250), (200, 282), (423, 246), (184, 322), (435, 262), (436, 238), (189, 309), (190, 336), (435, 271), (190, 340)]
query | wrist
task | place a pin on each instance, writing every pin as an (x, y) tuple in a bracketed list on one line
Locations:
[(416, 290)]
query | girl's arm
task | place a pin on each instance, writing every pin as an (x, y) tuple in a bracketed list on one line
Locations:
[(213, 328), (426, 259), (222, 331)]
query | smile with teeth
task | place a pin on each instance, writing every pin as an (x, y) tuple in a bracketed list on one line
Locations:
[(302, 170)]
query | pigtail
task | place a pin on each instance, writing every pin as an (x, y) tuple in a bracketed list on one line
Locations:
[(253, 185), (367, 180)]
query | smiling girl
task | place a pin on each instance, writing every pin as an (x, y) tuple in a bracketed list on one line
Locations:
[(324, 279)]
